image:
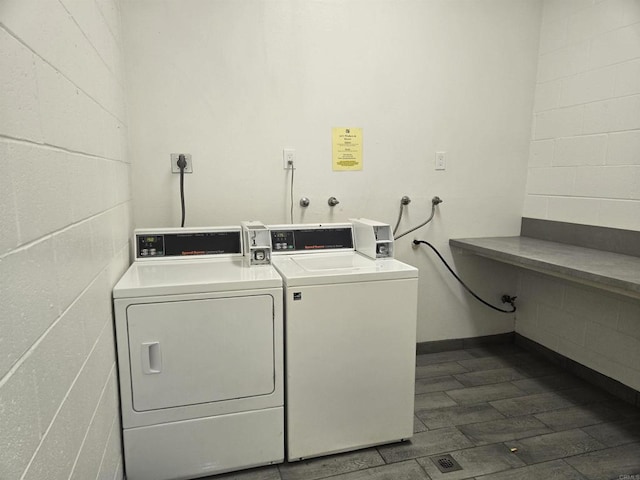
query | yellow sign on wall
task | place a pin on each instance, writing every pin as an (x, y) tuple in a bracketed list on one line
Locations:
[(347, 148)]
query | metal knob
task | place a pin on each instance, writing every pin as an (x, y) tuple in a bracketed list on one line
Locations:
[(333, 201), (405, 200), (304, 202)]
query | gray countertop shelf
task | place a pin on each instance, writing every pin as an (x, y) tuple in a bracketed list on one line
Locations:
[(601, 269)]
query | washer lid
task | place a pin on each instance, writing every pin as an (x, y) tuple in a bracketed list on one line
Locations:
[(194, 276), (339, 267)]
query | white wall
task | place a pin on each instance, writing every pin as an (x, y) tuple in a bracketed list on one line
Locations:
[(233, 83), (584, 167), (64, 226), (584, 164)]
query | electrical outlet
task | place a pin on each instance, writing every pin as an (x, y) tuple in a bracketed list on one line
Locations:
[(441, 161), (288, 158), (174, 163)]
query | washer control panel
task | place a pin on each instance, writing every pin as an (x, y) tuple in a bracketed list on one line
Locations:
[(300, 238), (282, 240), (171, 244)]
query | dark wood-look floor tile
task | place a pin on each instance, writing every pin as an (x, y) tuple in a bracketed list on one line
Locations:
[(442, 357), (549, 383), (458, 415), (262, 473), (418, 426), (431, 401), (486, 377), (424, 444), (554, 445), (475, 461), (485, 393), (616, 433), (486, 363), (495, 350), (565, 428), (554, 470), (576, 417), (625, 409), (502, 430), (409, 470), (612, 463), (532, 366), (586, 395), (531, 404), (322, 467), (439, 369), (437, 384)]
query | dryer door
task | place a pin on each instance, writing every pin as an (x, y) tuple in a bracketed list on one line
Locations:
[(199, 351)]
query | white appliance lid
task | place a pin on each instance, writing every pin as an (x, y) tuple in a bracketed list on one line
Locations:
[(182, 276), (339, 267)]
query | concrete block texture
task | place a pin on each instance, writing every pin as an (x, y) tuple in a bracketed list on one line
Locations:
[(624, 148), (595, 328), (608, 182), (615, 46), (29, 302), (581, 210), (550, 181), (547, 95), (19, 422), (563, 122), (588, 104), (64, 228), (628, 321), (8, 214), (587, 87), (94, 445), (619, 214), (73, 54), (19, 100), (628, 78), (57, 452), (581, 150), (37, 178)]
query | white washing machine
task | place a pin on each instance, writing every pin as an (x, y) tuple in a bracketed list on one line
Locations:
[(200, 341), (350, 341)]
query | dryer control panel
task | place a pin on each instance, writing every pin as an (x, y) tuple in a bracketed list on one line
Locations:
[(186, 243)]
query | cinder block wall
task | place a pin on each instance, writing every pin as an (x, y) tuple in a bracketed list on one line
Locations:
[(584, 167), (595, 328), (584, 164), (64, 228)]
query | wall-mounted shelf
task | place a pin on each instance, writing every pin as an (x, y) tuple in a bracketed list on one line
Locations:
[(612, 271)]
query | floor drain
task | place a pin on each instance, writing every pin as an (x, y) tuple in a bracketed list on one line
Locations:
[(446, 463)]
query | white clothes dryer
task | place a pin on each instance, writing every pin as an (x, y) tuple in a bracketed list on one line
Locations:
[(350, 341), (200, 339)]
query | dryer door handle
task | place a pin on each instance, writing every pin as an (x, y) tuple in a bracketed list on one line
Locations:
[(151, 358)]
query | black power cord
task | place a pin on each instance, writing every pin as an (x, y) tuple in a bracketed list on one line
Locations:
[(182, 164), (505, 298)]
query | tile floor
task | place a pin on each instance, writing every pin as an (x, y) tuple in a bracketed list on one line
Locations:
[(479, 403)]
